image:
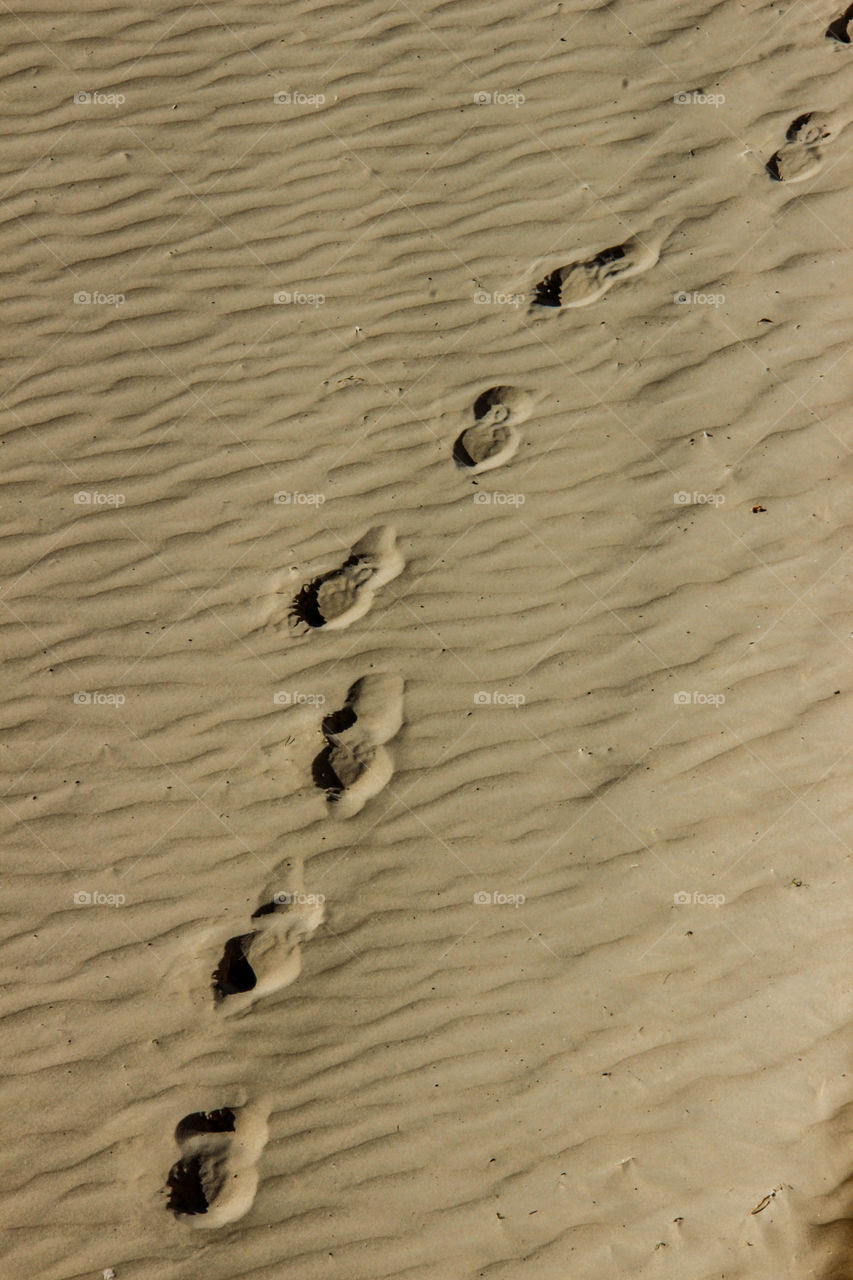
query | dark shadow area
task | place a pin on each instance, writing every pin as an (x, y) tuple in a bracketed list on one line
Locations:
[(324, 775), (614, 254), (487, 400), (839, 29), (305, 608), (221, 1121), (338, 721), (460, 454), (322, 769), (186, 1192), (772, 167), (548, 291), (234, 974), (796, 125)]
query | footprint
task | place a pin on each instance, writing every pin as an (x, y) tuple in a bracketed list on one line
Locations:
[(801, 156), (216, 1178), (354, 766), (580, 283), (355, 774), (336, 599), (373, 710), (493, 439), (840, 28), (268, 957)]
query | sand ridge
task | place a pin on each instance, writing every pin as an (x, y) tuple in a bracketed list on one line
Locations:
[(523, 1033)]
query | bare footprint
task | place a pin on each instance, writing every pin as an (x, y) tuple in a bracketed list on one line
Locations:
[(801, 157), (580, 283), (354, 766), (216, 1178), (373, 711), (840, 28), (335, 600), (494, 438), (356, 773), (268, 957)]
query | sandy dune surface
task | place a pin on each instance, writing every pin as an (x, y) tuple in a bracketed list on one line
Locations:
[(529, 958)]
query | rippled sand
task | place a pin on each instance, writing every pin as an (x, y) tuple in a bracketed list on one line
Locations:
[(555, 982)]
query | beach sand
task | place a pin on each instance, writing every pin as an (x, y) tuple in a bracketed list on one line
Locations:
[(551, 921)]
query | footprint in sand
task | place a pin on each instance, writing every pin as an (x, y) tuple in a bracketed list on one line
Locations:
[(354, 766), (268, 956), (336, 599), (493, 439), (840, 28), (801, 157), (583, 282), (216, 1178)]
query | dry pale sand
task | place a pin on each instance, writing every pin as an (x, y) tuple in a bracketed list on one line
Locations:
[(614, 666)]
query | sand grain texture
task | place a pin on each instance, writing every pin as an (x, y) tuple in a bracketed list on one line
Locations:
[(509, 1047)]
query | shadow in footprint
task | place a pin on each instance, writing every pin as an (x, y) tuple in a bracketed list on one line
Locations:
[(335, 599), (191, 1190), (234, 974), (460, 453), (322, 767), (801, 156), (840, 28), (195, 1181), (773, 169), (221, 1121), (215, 1180), (323, 773), (339, 721), (493, 439), (353, 765), (587, 280), (547, 292), (305, 607)]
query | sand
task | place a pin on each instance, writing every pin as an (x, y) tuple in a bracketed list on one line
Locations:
[(554, 982)]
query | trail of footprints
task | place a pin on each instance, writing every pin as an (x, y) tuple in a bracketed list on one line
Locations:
[(215, 1178)]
